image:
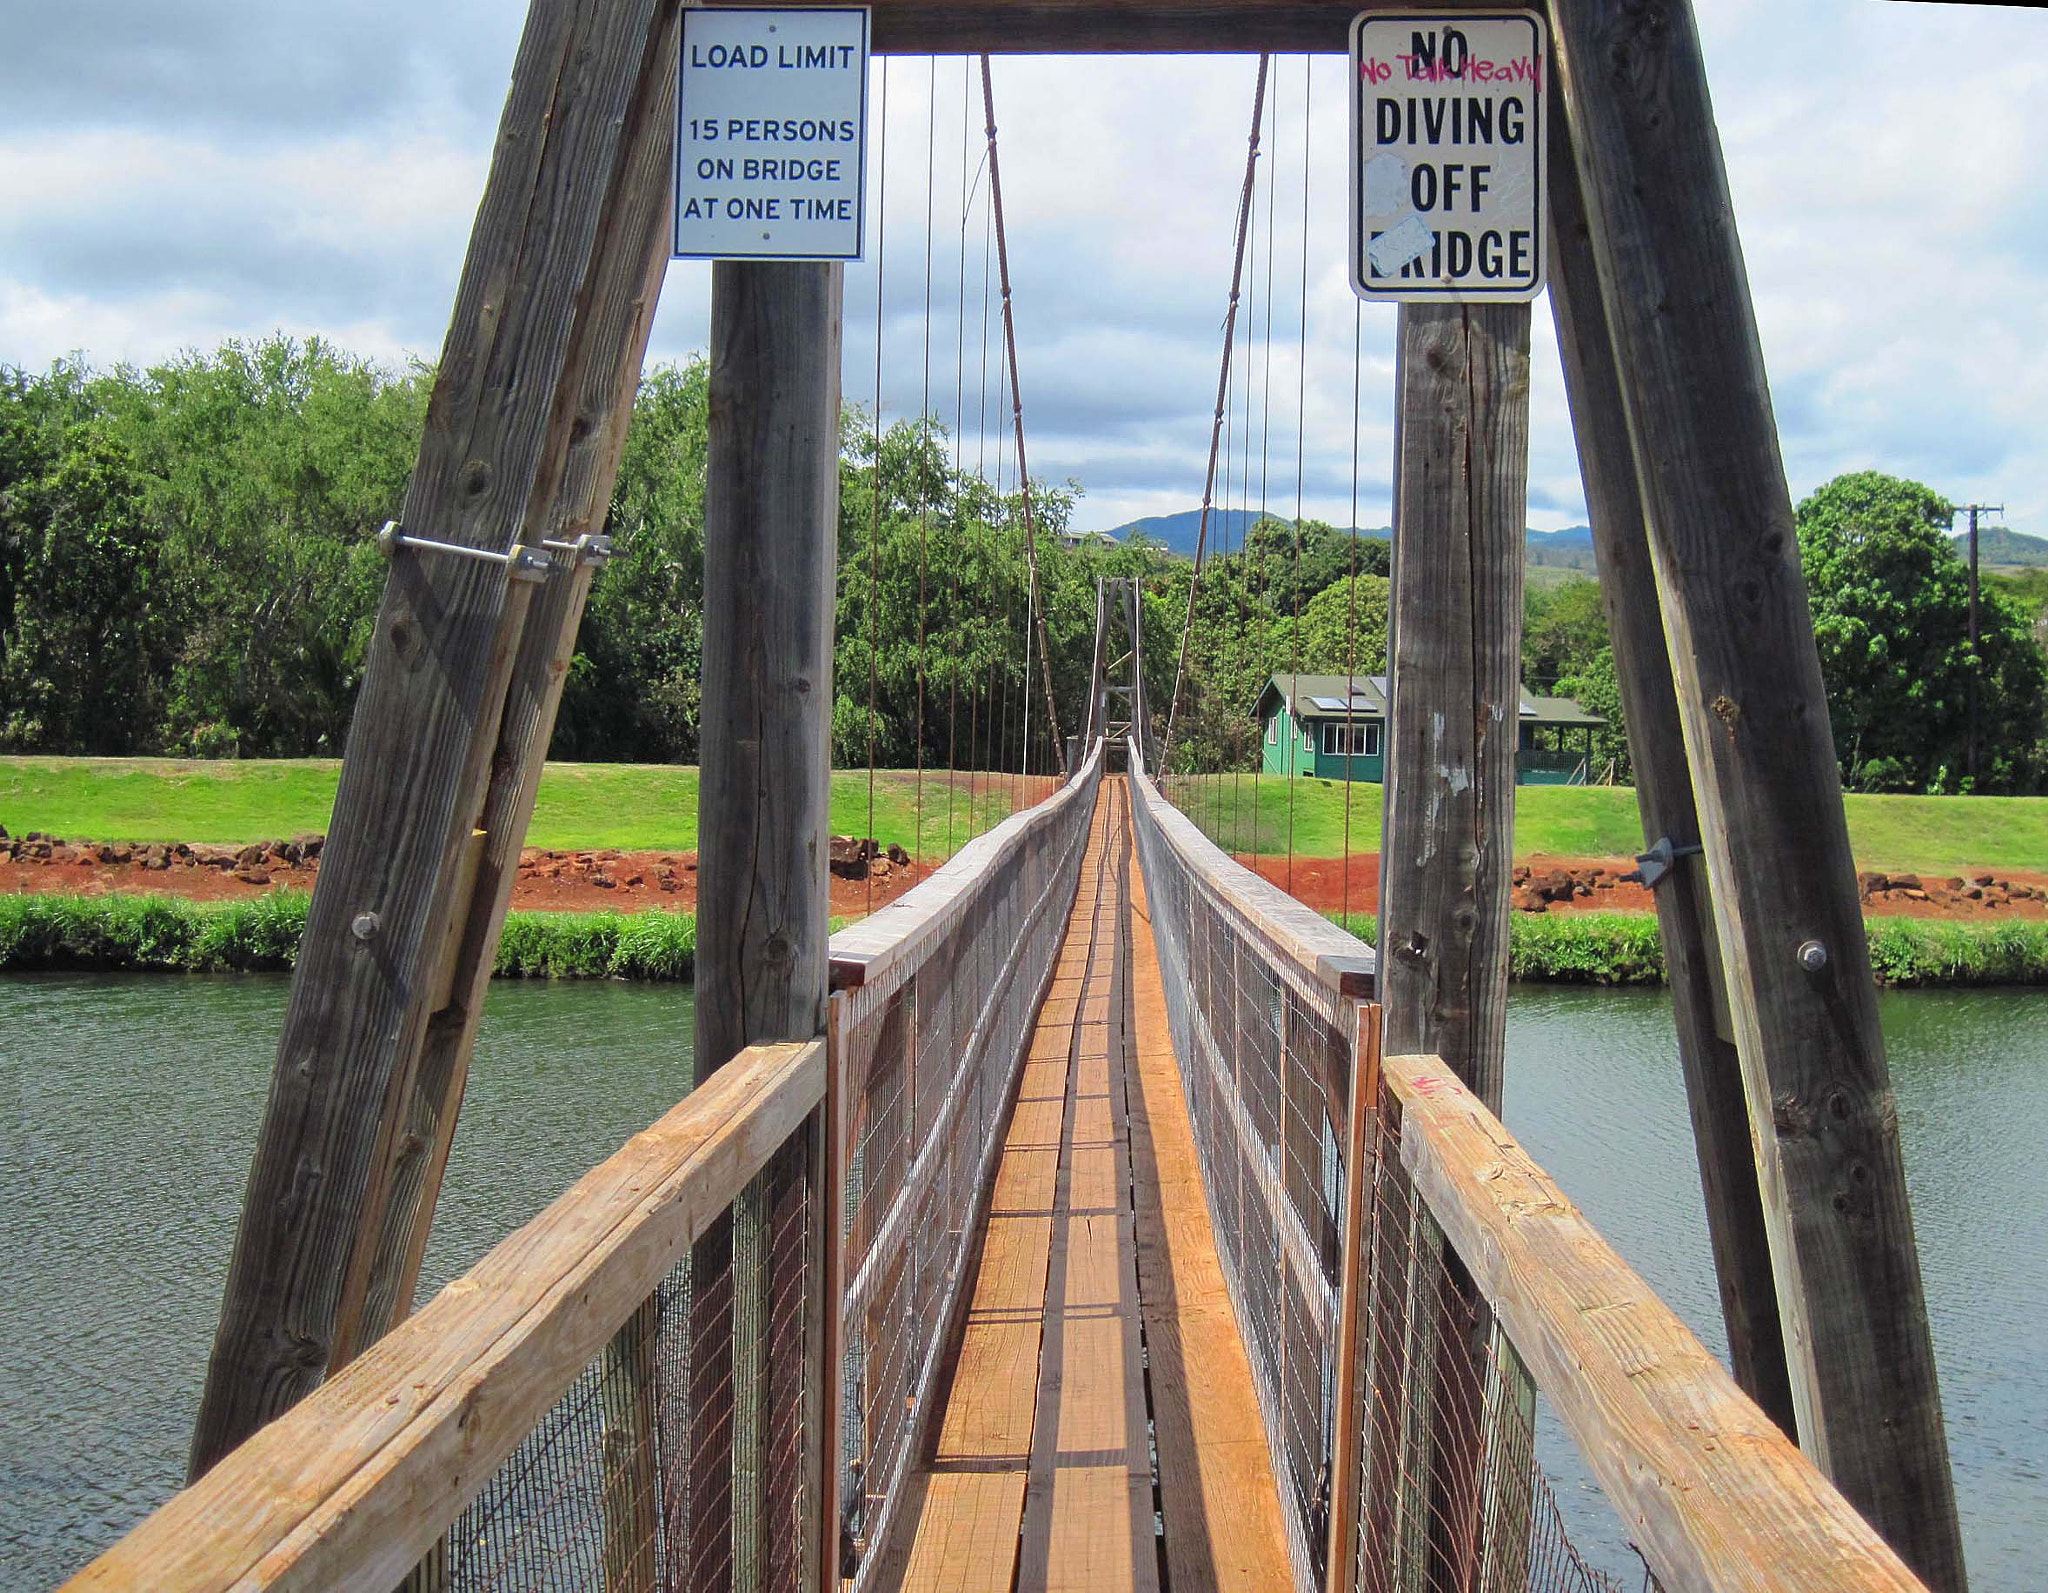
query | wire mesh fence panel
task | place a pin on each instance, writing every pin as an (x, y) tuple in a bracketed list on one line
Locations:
[(1264, 1041), (1444, 1492), (1451, 1496), (679, 1457), (939, 994)]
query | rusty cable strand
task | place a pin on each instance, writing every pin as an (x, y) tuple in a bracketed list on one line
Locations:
[(1244, 206), (1301, 432), (954, 488), (875, 493), (924, 426), (995, 193), (1351, 621)]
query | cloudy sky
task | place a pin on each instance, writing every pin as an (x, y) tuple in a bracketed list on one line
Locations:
[(174, 175)]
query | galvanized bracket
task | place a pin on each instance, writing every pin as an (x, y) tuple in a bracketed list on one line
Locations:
[(525, 563), (586, 548)]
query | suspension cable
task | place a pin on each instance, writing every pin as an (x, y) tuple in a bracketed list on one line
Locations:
[(1301, 417), (875, 507), (1351, 621), (1033, 609), (1244, 205), (959, 519), (924, 426), (1265, 472)]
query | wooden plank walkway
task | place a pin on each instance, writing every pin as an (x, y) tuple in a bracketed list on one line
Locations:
[(1040, 1476)]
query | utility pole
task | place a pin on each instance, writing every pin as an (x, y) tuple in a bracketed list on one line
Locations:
[(1973, 510)]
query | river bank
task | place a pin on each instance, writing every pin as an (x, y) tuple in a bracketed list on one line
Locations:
[(260, 934)]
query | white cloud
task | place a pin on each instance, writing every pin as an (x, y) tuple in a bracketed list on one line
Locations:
[(173, 176)]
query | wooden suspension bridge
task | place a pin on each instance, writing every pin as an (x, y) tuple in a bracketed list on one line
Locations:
[(1095, 1215)]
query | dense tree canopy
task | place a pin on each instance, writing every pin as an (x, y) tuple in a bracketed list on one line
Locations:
[(188, 565), (1890, 599)]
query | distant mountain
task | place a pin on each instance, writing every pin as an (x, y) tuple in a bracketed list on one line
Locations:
[(1571, 548), (1997, 544), (1177, 533)]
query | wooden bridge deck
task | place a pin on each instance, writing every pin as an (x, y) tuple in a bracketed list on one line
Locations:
[(1097, 1288)]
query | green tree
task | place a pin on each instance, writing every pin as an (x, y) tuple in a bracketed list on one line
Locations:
[(1564, 627), (1343, 630), (1890, 604), (81, 637), (270, 467), (632, 692)]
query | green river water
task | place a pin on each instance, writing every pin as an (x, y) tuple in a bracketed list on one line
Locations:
[(131, 1106)]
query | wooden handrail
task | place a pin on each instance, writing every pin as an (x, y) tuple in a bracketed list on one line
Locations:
[(862, 952), (354, 1484), (1338, 959), (1713, 1494)]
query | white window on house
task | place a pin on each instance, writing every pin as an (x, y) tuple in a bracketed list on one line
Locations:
[(1356, 740), (1273, 731)]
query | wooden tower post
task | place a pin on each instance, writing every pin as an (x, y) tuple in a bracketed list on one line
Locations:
[(1755, 720), (1692, 958), (1454, 669), (771, 538), (771, 541), (521, 440)]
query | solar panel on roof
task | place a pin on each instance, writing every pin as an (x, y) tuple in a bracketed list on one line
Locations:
[(1335, 705)]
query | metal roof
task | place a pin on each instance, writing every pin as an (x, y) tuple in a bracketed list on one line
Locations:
[(1325, 697)]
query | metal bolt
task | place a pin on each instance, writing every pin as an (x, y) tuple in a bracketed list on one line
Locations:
[(1813, 956), (365, 926)]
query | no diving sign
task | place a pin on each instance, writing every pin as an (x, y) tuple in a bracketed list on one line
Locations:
[(1447, 145), (771, 133)]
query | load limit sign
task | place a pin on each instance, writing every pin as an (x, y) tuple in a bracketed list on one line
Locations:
[(771, 133), (1447, 135)]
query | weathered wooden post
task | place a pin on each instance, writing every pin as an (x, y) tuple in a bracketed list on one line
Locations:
[(1692, 959), (771, 531), (532, 377), (1755, 721), (1454, 670)]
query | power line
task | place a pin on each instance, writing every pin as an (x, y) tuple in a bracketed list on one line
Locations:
[(1973, 510)]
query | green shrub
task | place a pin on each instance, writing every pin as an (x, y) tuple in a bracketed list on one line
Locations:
[(1624, 949), (1920, 951), (261, 934)]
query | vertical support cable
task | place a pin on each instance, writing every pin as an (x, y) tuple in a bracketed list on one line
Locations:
[(1351, 620), (875, 504), (924, 427), (1244, 207), (1300, 415), (1034, 612)]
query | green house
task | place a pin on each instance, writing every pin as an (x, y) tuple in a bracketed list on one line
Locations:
[(1335, 728)]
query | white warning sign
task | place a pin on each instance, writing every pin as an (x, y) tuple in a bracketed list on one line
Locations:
[(771, 133), (1447, 141)]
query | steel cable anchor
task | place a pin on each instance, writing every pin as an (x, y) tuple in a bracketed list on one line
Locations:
[(1654, 866)]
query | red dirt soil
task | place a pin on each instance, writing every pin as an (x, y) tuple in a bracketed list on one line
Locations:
[(1331, 884), (568, 881), (548, 881)]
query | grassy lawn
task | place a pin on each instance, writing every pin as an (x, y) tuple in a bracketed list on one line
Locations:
[(642, 807), (582, 806), (1940, 835)]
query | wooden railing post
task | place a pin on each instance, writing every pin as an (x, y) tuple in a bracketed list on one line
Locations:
[(1755, 717), (1455, 673), (771, 527), (1354, 1328)]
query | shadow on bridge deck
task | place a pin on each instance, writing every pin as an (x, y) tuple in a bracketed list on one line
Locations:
[(1096, 1292)]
